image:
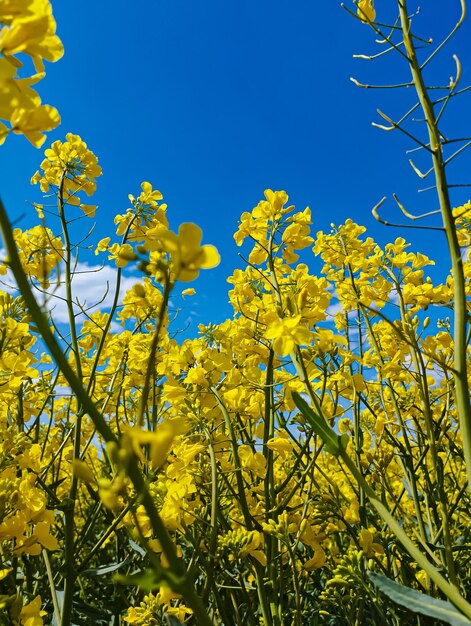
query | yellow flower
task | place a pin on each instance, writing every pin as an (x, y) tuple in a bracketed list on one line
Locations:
[(254, 461), (109, 493), (71, 165), (42, 532), (39, 250), (121, 254), (89, 209), (103, 245), (3, 132), (253, 545), (13, 526), (317, 561), (31, 497), (287, 333), (368, 545), (187, 254), (281, 444), (160, 440), (82, 471), (243, 542), (143, 615), (31, 614), (33, 35), (462, 216), (366, 11), (33, 122), (16, 92), (148, 195), (4, 572)]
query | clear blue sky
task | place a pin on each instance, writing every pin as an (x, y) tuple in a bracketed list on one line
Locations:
[(212, 102)]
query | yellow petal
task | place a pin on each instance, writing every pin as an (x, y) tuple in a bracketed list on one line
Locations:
[(4, 572), (366, 11), (82, 471), (211, 257), (279, 444), (89, 209), (317, 561)]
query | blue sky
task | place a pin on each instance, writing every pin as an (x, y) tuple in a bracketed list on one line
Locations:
[(212, 102)]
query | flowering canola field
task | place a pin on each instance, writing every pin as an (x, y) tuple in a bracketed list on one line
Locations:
[(304, 462)]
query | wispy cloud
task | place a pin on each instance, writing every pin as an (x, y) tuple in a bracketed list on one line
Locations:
[(93, 289)]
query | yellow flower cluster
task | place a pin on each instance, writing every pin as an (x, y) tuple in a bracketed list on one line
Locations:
[(27, 28), (462, 215), (25, 522), (163, 254), (72, 168), (242, 543), (151, 610), (40, 253)]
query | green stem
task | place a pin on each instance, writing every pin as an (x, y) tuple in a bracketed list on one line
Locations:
[(270, 495), (417, 359), (69, 511), (153, 351), (177, 578), (459, 293), (448, 589), (50, 578), (213, 537), (242, 500), (411, 472)]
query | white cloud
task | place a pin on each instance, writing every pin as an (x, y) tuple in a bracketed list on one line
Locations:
[(93, 289)]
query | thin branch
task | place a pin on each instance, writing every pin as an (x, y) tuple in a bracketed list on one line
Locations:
[(374, 26), (377, 217), (395, 125), (452, 87), (373, 56), (455, 154), (418, 172), (409, 215), (448, 37), (365, 86)]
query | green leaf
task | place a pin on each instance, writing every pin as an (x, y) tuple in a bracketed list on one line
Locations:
[(419, 602), (147, 580), (105, 569), (333, 443), (137, 548)]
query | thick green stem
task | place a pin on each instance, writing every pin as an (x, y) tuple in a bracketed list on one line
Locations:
[(270, 495), (459, 293)]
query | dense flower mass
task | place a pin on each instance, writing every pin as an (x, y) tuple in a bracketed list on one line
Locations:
[(234, 471), (302, 462)]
